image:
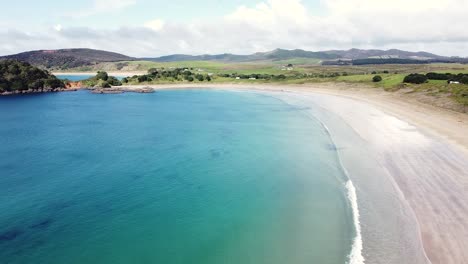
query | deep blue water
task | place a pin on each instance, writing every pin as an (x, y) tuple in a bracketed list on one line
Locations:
[(191, 176)]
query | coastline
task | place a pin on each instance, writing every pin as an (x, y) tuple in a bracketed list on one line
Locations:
[(414, 183), (424, 159)]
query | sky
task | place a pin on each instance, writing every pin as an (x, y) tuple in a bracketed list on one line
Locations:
[(150, 28)]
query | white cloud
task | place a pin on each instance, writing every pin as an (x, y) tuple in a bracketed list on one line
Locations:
[(155, 25), (435, 26), (58, 27)]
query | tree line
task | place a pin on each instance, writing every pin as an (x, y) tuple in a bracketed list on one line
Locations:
[(176, 74), (17, 76)]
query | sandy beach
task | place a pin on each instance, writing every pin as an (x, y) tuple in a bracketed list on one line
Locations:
[(422, 150)]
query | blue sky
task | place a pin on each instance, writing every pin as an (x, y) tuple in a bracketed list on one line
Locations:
[(154, 28)]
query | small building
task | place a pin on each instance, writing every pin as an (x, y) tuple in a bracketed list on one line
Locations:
[(453, 82), (237, 78)]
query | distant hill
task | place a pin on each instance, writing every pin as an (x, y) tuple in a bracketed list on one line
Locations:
[(67, 58), (330, 55), (74, 58), (275, 55), (383, 54)]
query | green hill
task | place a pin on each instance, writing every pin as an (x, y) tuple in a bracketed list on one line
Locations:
[(16, 76), (67, 58)]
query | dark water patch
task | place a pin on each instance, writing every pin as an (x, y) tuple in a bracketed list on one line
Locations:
[(60, 206), (217, 153), (10, 235), (214, 153), (175, 177), (8, 167), (136, 176), (42, 224)]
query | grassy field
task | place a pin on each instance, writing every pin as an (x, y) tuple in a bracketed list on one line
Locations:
[(307, 71)]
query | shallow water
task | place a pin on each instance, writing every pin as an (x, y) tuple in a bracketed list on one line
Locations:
[(171, 177)]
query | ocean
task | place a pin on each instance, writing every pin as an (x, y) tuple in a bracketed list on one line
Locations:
[(186, 176)]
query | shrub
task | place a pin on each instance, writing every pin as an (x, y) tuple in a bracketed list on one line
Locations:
[(438, 76), (105, 84), (114, 81), (102, 75), (415, 78), (142, 78), (377, 78), (374, 72), (200, 77), (464, 79)]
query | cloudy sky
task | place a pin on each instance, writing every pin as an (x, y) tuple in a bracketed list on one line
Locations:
[(148, 28)]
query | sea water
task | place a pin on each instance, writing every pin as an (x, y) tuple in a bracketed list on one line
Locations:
[(187, 176)]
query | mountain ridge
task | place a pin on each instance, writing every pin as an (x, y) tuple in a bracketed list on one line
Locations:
[(70, 58)]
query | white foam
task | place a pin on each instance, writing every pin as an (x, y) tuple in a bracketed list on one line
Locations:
[(355, 256)]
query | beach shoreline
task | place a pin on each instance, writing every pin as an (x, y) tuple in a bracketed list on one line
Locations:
[(422, 148)]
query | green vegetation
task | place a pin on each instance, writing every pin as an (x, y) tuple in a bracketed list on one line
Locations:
[(102, 80), (371, 61), (161, 75), (415, 78), (449, 77), (377, 78), (461, 96), (67, 58), (18, 76)]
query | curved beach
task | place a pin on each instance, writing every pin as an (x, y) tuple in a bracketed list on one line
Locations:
[(408, 162)]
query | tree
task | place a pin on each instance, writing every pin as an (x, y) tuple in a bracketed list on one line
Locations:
[(190, 79), (142, 78), (377, 78), (114, 81), (153, 71), (200, 77), (208, 78), (54, 83), (37, 85), (102, 75)]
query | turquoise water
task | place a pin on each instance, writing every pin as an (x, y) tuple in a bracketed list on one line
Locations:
[(192, 176), (76, 78)]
